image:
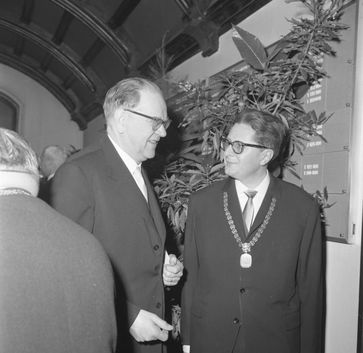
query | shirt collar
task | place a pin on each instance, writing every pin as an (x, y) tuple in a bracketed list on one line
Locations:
[(261, 188), (21, 180), (261, 193)]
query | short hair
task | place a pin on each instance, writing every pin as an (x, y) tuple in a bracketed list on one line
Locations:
[(126, 93), (270, 131), (16, 154), (51, 159)]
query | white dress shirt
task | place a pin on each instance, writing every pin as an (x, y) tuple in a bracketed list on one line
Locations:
[(132, 166), (257, 200)]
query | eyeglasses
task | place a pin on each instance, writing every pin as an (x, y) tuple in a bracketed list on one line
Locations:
[(157, 122), (237, 146)]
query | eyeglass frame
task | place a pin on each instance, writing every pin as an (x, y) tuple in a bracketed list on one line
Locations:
[(243, 145), (157, 122)]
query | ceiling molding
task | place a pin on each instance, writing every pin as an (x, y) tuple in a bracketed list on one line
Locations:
[(62, 28), (98, 27), (79, 119), (19, 46), (77, 49), (39, 39), (63, 97), (229, 12), (92, 110), (41, 78), (122, 13), (27, 11), (44, 64), (205, 33), (216, 18), (92, 52)]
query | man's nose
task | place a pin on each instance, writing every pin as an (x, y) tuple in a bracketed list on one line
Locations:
[(161, 131)]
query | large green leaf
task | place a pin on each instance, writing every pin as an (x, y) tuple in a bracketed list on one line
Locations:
[(250, 48)]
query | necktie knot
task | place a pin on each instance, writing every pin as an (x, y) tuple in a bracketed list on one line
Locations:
[(248, 211), (250, 194)]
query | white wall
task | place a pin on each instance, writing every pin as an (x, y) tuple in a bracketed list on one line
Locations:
[(43, 119), (343, 260), (342, 297)]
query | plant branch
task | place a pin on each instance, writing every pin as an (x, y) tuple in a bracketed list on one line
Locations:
[(297, 71)]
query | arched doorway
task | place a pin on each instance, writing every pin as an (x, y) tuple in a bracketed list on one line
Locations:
[(8, 113)]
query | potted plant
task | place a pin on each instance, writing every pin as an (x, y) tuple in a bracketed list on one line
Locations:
[(273, 79)]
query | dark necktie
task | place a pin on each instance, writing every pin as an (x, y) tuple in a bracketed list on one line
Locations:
[(248, 211)]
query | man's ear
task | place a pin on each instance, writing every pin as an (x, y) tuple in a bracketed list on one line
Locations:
[(266, 156), (120, 120)]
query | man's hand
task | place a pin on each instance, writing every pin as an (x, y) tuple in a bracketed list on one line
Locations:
[(149, 327), (173, 270)]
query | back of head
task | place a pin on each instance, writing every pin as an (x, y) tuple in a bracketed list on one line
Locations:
[(16, 154), (18, 165), (126, 94), (269, 130), (51, 159)]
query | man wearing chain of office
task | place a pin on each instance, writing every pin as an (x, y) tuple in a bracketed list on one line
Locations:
[(253, 253)]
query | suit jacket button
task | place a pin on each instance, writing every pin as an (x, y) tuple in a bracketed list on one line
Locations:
[(235, 321), (242, 290), (158, 305), (156, 247)]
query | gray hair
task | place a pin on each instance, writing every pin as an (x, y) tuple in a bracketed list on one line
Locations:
[(16, 154), (51, 159), (126, 93)]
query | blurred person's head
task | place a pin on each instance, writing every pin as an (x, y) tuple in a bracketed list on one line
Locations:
[(18, 164), (136, 117), (51, 159)]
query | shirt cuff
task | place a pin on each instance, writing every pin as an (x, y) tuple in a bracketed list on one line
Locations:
[(186, 349)]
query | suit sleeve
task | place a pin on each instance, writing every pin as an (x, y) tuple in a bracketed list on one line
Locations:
[(310, 284), (191, 268), (72, 196)]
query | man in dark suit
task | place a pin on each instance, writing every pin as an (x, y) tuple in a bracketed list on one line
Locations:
[(57, 289), (253, 253), (51, 158), (105, 189)]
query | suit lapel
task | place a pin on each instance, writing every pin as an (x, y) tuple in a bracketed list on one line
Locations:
[(154, 206), (117, 171), (234, 207), (270, 193)]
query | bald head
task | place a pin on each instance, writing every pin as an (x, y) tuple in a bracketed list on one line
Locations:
[(51, 159), (127, 94)]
